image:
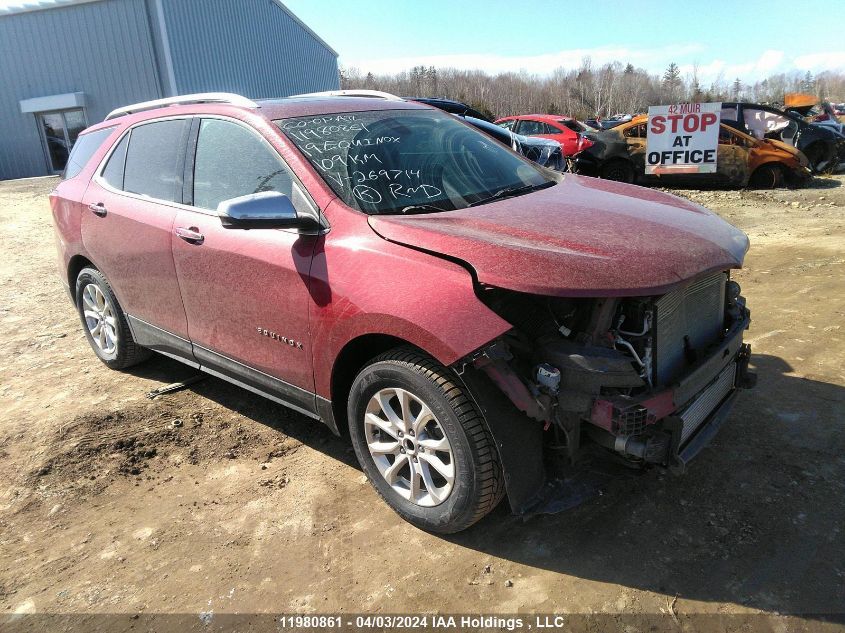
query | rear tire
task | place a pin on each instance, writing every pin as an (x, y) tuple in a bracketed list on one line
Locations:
[(766, 177), (422, 442), (618, 170), (104, 322)]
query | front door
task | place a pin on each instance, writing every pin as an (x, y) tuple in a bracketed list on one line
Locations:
[(127, 224), (245, 291)]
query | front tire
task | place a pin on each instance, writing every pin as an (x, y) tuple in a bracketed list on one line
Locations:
[(104, 322), (422, 442)]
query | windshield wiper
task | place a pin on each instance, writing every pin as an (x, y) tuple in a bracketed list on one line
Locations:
[(508, 192), (421, 208)]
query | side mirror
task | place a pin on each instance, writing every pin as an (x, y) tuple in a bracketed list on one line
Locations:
[(267, 209)]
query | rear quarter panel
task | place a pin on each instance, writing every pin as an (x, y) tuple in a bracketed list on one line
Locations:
[(67, 206)]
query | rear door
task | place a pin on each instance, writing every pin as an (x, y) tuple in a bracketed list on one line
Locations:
[(245, 291), (130, 207)]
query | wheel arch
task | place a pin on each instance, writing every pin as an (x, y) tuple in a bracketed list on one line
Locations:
[(627, 161), (74, 267), (350, 360), (769, 164)]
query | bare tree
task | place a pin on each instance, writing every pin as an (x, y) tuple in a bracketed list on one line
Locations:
[(588, 90)]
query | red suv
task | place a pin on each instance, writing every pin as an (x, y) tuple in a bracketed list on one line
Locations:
[(567, 131), (376, 264)]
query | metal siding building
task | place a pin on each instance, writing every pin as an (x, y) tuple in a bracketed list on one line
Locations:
[(67, 63)]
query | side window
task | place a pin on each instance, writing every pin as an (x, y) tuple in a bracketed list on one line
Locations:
[(232, 161), (83, 150), (508, 125), (637, 131), (727, 137), (113, 172), (531, 128), (153, 160)]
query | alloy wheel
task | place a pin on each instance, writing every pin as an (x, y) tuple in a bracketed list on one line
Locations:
[(409, 447), (99, 318)]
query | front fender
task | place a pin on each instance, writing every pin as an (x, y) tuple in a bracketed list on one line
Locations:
[(368, 285)]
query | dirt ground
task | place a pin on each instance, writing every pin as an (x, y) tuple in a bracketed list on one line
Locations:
[(212, 500)]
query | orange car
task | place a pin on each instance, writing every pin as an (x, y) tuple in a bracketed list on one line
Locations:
[(742, 160)]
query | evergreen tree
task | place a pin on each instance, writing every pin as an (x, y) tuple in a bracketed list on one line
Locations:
[(672, 82)]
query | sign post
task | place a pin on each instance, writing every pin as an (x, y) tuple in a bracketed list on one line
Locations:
[(683, 138)]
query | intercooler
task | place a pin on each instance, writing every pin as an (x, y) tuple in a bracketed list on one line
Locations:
[(687, 320)]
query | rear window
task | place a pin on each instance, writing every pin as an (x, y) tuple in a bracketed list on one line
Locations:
[(572, 124), (83, 150), (154, 159)]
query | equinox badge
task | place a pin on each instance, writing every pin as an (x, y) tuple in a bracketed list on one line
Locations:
[(280, 338)]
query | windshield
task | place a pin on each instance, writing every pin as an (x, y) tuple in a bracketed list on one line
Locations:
[(402, 161)]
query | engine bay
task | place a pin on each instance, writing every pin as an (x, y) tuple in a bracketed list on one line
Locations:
[(607, 370)]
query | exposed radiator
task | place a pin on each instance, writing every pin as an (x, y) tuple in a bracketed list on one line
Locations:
[(692, 316), (706, 401)]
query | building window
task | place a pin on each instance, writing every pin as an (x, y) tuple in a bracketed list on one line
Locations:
[(58, 133)]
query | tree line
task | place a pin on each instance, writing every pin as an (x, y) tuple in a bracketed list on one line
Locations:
[(588, 90)]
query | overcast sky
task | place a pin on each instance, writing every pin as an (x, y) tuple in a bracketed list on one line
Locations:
[(739, 38)]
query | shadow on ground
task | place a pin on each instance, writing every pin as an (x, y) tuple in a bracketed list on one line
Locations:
[(757, 520), (259, 409)]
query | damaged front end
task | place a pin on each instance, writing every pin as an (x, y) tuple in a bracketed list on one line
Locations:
[(646, 380)]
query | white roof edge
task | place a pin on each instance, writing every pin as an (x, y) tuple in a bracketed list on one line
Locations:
[(28, 6), (305, 26), (227, 98)]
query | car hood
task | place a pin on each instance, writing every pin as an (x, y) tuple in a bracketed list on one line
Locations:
[(581, 237)]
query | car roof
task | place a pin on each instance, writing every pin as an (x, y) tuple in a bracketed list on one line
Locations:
[(554, 118), (308, 106), (272, 109)]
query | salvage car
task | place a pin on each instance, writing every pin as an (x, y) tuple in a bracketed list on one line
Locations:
[(823, 147), (814, 111), (543, 151), (451, 106), (619, 154), (456, 310), (569, 132)]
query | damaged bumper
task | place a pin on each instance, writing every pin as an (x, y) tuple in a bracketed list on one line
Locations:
[(561, 406), (671, 426)]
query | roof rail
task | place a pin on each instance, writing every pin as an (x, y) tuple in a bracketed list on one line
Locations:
[(372, 94), (203, 97)]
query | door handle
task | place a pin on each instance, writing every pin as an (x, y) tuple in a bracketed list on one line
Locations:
[(191, 235), (98, 209)]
